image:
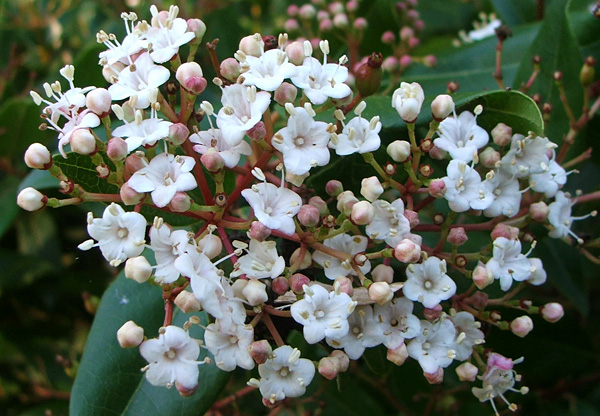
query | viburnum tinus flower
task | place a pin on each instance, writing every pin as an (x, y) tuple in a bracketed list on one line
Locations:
[(121, 51), (284, 374), (167, 33), (550, 180), (213, 139), (261, 261), (560, 218), (303, 141), (363, 333), (507, 263), (434, 347), (461, 137), (428, 282), (527, 155), (322, 313), (120, 234), (468, 334), (464, 188), (389, 223), (172, 359), (167, 245), (230, 347), (165, 175), (345, 243), (407, 101), (505, 191), (143, 132), (359, 135), (397, 322)]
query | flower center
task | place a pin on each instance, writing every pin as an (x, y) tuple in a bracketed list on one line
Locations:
[(428, 285), (284, 371), (299, 141), (170, 354), (122, 233)]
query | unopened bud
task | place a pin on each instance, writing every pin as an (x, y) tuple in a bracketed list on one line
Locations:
[(116, 149), (211, 245), (368, 76), (185, 391), (588, 72), (399, 355), (502, 134), (198, 27), (129, 196), (306, 259), (345, 285), (259, 231), (489, 157), (99, 101), (257, 132), (481, 277), (346, 201), (31, 199), (457, 236), (298, 280), (412, 217), (37, 156), (135, 162), (538, 211), (130, 335), (187, 302), (383, 273), (380, 292), (442, 106), (371, 188), (189, 75), (251, 45), (407, 251), (521, 326), (507, 231), (399, 150), (467, 372), (552, 312), (433, 314), (329, 367), (260, 351), (308, 215), (390, 64), (334, 188), (212, 160), (285, 93), (138, 269), (435, 378), (437, 153), (362, 213), (295, 53), (255, 292), (83, 142), (178, 133), (437, 188), (230, 69), (317, 202), (280, 285)]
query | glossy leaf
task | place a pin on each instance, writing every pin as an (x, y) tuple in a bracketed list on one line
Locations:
[(82, 171), (109, 380)]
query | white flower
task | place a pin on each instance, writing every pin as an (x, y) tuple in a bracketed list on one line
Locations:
[(464, 188), (303, 142), (461, 136), (363, 333), (428, 282), (434, 346), (407, 100), (172, 358), (468, 334), (507, 196), (261, 261), (165, 38), (527, 155), (550, 180), (389, 223), (322, 313), (120, 234), (243, 107), (121, 51), (165, 175), (274, 206), (268, 71), (140, 79), (167, 246), (230, 347), (82, 120), (213, 139), (397, 322), (482, 31), (345, 243), (507, 263), (142, 132), (358, 136), (285, 374), (499, 377), (560, 217)]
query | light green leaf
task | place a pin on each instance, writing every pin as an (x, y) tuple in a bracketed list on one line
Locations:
[(109, 380)]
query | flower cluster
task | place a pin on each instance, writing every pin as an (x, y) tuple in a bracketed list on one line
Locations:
[(361, 274)]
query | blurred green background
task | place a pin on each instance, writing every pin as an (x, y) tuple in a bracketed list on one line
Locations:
[(49, 290)]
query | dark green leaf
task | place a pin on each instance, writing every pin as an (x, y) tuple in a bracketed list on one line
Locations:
[(515, 12), (39, 179), (82, 171), (8, 202), (109, 380)]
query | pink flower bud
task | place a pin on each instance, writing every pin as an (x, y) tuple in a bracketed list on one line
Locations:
[(502, 134), (259, 231), (413, 43), (362, 213), (380, 292), (342, 358), (295, 53), (383, 273), (99, 101), (552, 312), (406, 33), (138, 269), (116, 149), (129, 196), (187, 302), (134, 162), (251, 45), (506, 231), (307, 11), (37, 156), (390, 64), (407, 251), (185, 391), (489, 157), (412, 217), (399, 150), (308, 215), (435, 378), (399, 355), (291, 25), (430, 61), (298, 280), (437, 153), (432, 314), (130, 335), (538, 211), (371, 188), (211, 245), (280, 285), (178, 134), (437, 188), (336, 7), (306, 259), (352, 6), (405, 61), (260, 351), (345, 285), (255, 292), (31, 199), (329, 367), (334, 188), (521, 326), (466, 372), (257, 132), (340, 20), (499, 361), (388, 37), (317, 202), (230, 69), (212, 160), (442, 106), (292, 10), (322, 14), (83, 142), (481, 277), (457, 236), (190, 77), (198, 27), (360, 23), (111, 73)]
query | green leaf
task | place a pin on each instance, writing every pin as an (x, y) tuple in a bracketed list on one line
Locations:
[(8, 200), (39, 179), (515, 12), (82, 171), (109, 380)]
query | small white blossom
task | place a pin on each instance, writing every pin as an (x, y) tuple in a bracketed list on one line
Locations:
[(499, 377), (363, 333), (550, 180), (230, 347), (434, 346), (527, 155), (428, 282), (560, 217), (164, 38), (142, 132), (262, 261), (167, 245), (407, 100), (389, 223), (268, 71), (464, 188), (274, 206), (359, 135), (468, 334), (507, 196), (507, 263), (213, 139), (397, 322), (461, 137), (345, 243)]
